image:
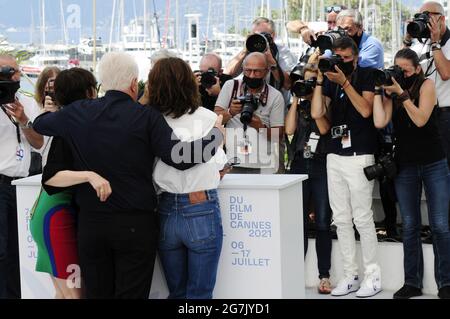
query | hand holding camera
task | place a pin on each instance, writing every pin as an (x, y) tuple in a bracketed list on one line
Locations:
[(395, 88), (235, 107), (337, 77), (49, 105), (17, 111), (214, 90)]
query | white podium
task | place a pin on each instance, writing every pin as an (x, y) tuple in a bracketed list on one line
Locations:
[(262, 252)]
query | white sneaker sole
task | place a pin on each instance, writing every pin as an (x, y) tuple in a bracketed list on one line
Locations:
[(368, 296), (344, 294)]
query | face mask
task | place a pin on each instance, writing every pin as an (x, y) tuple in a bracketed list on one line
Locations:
[(347, 68), (357, 38), (409, 81), (253, 83), (8, 91)]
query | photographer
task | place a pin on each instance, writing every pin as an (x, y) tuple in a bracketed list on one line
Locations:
[(421, 160), (345, 97), (307, 151), (307, 34), (210, 79), (264, 116), (16, 140), (371, 53), (279, 59)]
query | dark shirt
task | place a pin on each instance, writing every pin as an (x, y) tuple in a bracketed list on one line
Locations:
[(305, 126), (119, 140), (209, 101), (59, 159), (416, 145), (363, 134)]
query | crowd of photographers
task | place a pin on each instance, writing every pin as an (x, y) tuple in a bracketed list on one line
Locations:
[(344, 119)]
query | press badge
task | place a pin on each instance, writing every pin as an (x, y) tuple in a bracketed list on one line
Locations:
[(20, 152), (245, 147), (346, 141)]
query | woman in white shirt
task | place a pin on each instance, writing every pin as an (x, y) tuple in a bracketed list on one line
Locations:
[(190, 222)]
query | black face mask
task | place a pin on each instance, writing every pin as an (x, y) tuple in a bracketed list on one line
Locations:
[(357, 38), (347, 68), (253, 83), (8, 91), (409, 81)]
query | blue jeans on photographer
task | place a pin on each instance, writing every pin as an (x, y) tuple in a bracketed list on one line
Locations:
[(408, 185), (315, 191), (190, 244)]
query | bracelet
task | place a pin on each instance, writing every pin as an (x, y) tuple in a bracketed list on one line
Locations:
[(302, 28), (345, 86), (378, 91), (403, 97)]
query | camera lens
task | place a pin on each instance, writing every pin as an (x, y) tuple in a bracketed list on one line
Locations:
[(256, 43)]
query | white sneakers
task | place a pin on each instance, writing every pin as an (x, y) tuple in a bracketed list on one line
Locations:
[(346, 286), (370, 286)]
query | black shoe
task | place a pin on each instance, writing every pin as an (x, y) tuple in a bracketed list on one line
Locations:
[(444, 292), (407, 292)]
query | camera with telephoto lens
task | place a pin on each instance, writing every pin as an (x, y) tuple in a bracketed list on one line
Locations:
[(259, 42), (325, 41), (249, 105), (327, 64), (339, 131), (384, 77), (418, 28), (303, 88), (385, 167), (8, 87), (208, 78)]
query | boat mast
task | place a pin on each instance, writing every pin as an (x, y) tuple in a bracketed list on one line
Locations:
[(111, 30), (94, 34), (43, 26), (63, 23), (207, 26), (145, 25)]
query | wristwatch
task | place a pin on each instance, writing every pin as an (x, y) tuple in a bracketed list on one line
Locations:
[(435, 46), (273, 67), (29, 124)]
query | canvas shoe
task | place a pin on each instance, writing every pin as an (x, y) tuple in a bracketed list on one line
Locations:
[(346, 286), (370, 286)]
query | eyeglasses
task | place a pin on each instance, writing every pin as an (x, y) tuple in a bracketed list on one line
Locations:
[(417, 15), (336, 9), (257, 72)]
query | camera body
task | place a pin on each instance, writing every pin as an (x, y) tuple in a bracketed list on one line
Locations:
[(208, 78), (385, 167), (311, 146), (8, 87), (249, 105), (339, 131), (384, 77), (259, 42), (302, 88), (325, 41), (327, 64), (418, 28)]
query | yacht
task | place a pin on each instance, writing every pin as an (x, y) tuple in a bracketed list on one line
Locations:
[(55, 55)]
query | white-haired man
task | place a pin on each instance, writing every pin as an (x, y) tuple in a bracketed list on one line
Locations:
[(120, 139)]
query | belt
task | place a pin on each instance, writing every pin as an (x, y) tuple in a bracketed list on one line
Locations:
[(444, 109), (354, 154), (194, 197), (6, 179)]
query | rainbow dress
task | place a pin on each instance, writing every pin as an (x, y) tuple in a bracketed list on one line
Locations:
[(53, 227)]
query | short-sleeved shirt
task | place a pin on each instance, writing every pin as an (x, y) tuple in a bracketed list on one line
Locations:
[(9, 144), (363, 134), (429, 68), (371, 53), (271, 114)]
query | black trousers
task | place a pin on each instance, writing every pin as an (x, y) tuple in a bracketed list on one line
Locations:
[(117, 253)]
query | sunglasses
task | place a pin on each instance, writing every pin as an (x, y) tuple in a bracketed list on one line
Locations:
[(336, 9)]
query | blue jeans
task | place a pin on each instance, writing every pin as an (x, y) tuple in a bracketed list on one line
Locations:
[(189, 245), (9, 246), (315, 192), (408, 184)]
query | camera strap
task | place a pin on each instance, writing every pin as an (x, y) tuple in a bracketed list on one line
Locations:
[(19, 139), (234, 92)]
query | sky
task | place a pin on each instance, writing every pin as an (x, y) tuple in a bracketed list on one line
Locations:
[(20, 18)]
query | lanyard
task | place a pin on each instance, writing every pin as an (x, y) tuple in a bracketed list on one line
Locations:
[(19, 139)]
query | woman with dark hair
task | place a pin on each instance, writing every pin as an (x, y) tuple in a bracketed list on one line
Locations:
[(53, 223), (191, 226), (412, 106)]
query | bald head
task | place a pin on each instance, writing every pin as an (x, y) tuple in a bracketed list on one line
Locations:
[(211, 60), (9, 60), (432, 6), (256, 58)]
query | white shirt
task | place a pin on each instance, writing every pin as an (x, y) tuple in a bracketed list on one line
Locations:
[(205, 176), (442, 87), (262, 153), (9, 145)]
